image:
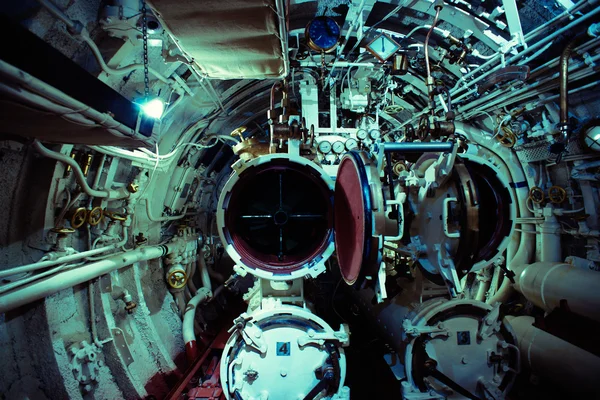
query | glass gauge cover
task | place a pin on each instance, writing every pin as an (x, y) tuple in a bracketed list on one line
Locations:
[(374, 134), (351, 144), (383, 47), (324, 147), (322, 34), (361, 134), (339, 147)]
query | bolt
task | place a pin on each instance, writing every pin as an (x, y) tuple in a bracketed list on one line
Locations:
[(283, 373), (464, 360)]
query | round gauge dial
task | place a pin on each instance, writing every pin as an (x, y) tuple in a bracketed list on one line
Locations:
[(361, 134), (324, 147), (339, 147), (322, 34), (374, 134), (351, 144)]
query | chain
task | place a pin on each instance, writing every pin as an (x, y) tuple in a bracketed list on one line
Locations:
[(323, 67), (145, 43)]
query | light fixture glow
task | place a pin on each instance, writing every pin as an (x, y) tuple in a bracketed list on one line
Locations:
[(154, 108)]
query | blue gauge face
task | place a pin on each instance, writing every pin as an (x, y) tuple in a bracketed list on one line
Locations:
[(324, 32)]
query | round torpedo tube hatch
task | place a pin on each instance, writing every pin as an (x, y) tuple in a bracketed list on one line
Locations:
[(275, 217)]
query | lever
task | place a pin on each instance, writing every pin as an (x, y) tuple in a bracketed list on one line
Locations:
[(431, 370)]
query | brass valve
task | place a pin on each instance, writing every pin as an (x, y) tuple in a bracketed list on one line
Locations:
[(557, 194), (239, 132), (506, 137), (536, 194), (78, 217), (133, 187), (115, 216), (95, 216), (176, 278)]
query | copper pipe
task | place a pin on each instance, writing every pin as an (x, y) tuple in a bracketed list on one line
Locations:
[(427, 66), (564, 81)]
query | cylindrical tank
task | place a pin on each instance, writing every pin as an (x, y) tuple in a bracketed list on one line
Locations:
[(546, 284), (548, 356)]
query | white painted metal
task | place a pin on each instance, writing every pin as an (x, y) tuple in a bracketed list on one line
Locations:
[(454, 324), (514, 20), (547, 284), (563, 363), (274, 352)]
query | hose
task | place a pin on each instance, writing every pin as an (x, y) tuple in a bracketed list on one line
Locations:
[(189, 336)]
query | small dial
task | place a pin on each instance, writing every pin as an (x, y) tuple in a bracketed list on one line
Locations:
[(324, 147), (362, 134), (339, 147), (383, 47), (351, 144), (374, 134), (323, 34)]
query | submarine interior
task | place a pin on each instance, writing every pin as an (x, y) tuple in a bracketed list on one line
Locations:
[(299, 199)]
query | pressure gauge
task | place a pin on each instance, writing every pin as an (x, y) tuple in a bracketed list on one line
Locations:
[(351, 144), (339, 147), (322, 34), (324, 147), (374, 134), (383, 47), (361, 134)]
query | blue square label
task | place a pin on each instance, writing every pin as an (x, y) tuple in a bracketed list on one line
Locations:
[(283, 348), (463, 338)]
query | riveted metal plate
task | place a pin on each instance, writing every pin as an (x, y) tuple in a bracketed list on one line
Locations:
[(121, 345)]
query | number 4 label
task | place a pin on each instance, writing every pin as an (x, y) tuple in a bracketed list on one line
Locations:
[(283, 348)]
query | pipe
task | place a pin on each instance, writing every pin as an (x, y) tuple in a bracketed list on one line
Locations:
[(62, 260), (565, 14), (516, 57), (563, 125), (549, 230), (522, 247), (127, 69), (58, 13), (154, 218), (429, 79), (117, 194), (189, 336), (204, 275), (556, 359), (72, 107), (68, 279), (420, 147), (547, 284), (578, 171)]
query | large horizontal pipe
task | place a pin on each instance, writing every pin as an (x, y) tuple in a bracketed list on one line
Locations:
[(64, 280), (561, 362), (546, 284), (418, 147)]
